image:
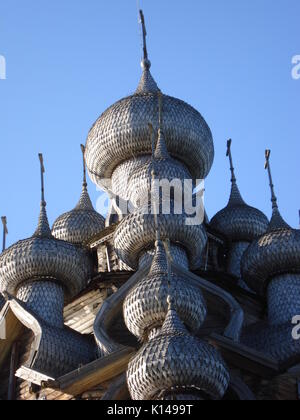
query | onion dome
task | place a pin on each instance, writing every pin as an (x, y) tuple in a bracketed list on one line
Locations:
[(82, 223), (45, 299), (136, 233), (121, 132), (238, 221), (176, 363), (145, 307), (277, 252), (43, 257)]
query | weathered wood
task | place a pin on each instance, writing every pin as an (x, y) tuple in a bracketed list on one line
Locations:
[(110, 310), (118, 390), (11, 329), (244, 358), (84, 300), (285, 388), (233, 309), (12, 377), (93, 374)]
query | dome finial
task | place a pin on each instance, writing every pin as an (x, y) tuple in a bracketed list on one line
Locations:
[(229, 154), (268, 167), (84, 165), (153, 189), (155, 196), (146, 62), (147, 83), (43, 229), (277, 221), (42, 179), (84, 202), (161, 151), (5, 232), (235, 196)]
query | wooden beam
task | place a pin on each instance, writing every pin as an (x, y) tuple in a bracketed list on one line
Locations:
[(12, 374), (245, 358), (93, 374)]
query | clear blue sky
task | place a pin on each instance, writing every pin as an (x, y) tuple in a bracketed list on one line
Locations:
[(68, 60)]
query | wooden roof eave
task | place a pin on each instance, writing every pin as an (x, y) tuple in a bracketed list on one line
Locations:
[(10, 330), (14, 320), (95, 373)]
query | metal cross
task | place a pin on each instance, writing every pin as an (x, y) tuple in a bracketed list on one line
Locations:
[(233, 178), (268, 167), (84, 166), (42, 176), (144, 35), (5, 232)]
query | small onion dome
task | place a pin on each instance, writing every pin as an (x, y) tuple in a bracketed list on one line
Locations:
[(42, 257), (275, 253), (238, 221), (165, 168), (122, 132), (145, 307), (137, 232), (174, 362), (83, 222), (80, 224)]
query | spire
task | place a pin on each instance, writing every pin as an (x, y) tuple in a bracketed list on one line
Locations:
[(84, 201), (5, 232), (235, 196), (153, 185), (152, 137), (142, 17), (172, 324), (83, 164), (159, 263), (43, 229), (147, 83), (161, 151), (277, 221)]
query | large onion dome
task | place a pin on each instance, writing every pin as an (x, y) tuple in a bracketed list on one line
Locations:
[(177, 365), (277, 252), (80, 224), (239, 221), (121, 132), (42, 257), (145, 307)]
